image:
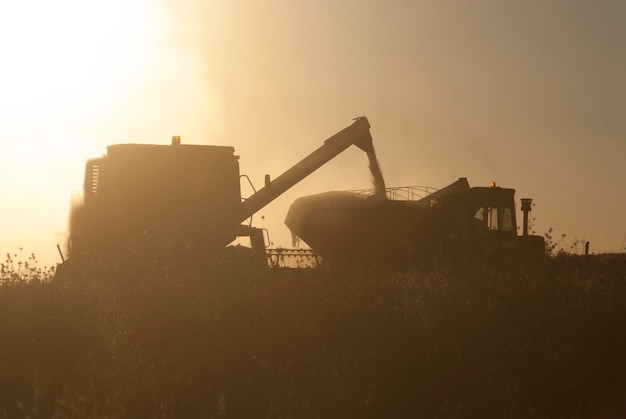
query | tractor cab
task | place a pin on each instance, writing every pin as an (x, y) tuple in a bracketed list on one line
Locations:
[(489, 223), (492, 210)]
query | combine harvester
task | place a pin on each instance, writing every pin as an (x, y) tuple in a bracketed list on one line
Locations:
[(187, 198), (178, 197)]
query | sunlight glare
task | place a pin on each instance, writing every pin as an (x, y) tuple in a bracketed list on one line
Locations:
[(66, 67), (60, 55)]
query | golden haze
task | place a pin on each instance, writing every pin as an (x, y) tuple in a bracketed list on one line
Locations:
[(531, 96)]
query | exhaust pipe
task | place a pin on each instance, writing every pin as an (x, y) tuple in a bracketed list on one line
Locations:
[(526, 208)]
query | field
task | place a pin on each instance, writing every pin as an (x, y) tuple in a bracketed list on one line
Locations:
[(130, 338)]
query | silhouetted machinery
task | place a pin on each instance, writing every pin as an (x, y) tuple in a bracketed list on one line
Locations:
[(452, 223), (183, 196), (189, 197)]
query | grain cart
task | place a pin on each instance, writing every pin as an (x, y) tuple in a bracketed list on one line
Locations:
[(183, 196), (453, 223)]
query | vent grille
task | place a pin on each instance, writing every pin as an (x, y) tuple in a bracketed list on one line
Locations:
[(95, 174)]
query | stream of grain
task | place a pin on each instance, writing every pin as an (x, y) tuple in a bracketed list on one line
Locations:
[(377, 175)]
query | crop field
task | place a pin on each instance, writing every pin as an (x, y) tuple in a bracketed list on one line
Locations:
[(157, 338)]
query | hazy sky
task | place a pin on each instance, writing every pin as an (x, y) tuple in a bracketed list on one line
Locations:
[(529, 94)]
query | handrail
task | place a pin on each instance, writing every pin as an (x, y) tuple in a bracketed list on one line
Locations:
[(400, 193)]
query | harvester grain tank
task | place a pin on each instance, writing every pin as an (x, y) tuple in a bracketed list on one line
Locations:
[(183, 196)]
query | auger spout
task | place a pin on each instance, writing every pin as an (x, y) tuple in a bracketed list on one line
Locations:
[(357, 134)]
